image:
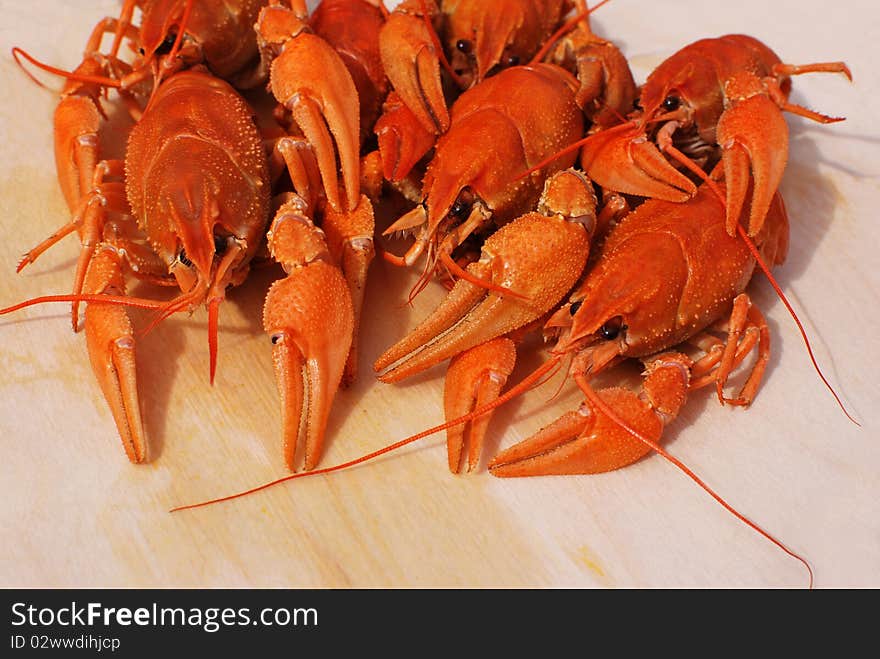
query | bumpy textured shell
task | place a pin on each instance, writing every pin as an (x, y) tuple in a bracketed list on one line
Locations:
[(670, 270), (194, 161)]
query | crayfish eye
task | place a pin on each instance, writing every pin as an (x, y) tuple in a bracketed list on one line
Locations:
[(166, 46), (465, 45), (462, 206), (275, 338), (612, 328), (575, 307), (182, 258), (220, 244), (459, 209), (671, 103), (512, 60)]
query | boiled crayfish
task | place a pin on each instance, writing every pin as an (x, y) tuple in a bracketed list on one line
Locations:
[(714, 99), (194, 206), (625, 222)]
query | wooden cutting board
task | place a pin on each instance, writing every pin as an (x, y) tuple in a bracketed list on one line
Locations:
[(76, 513)]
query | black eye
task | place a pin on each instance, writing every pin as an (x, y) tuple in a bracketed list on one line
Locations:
[(275, 338), (671, 103), (166, 46), (220, 244), (575, 307), (612, 328), (459, 209), (182, 258), (463, 203), (465, 45), (513, 60)]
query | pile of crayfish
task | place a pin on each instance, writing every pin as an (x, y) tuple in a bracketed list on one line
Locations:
[(539, 183)]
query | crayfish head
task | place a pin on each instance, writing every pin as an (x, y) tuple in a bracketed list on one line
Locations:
[(587, 335), (204, 256), (484, 37), (167, 38), (475, 166), (684, 89), (630, 298)]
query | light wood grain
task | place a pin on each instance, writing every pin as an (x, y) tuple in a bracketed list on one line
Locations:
[(75, 512)]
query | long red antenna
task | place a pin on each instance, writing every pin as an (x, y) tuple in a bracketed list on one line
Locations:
[(751, 245), (457, 271), (121, 300), (527, 383), (567, 27), (69, 75), (574, 146), (600, 404)]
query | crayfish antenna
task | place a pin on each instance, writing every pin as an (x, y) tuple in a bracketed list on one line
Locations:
[(104, 81), (422, 282), (791, 311), (171, 307), (534, 379), (574, 146), (121, 300), (457, 271), (605, 409), (565, 28)]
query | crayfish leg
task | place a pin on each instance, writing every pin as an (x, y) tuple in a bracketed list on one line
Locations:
[(350, 241)]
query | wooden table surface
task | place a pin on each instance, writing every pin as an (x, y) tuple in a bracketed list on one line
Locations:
[(74, 512)]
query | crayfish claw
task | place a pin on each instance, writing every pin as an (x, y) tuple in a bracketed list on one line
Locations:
[(754, 139), (539, 257), (111, 345), (621, 159), (310, 320), (403, 138), (583, 442), (350, 242), (309, 78), (474, 379), (613, 428), (412, 64)]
